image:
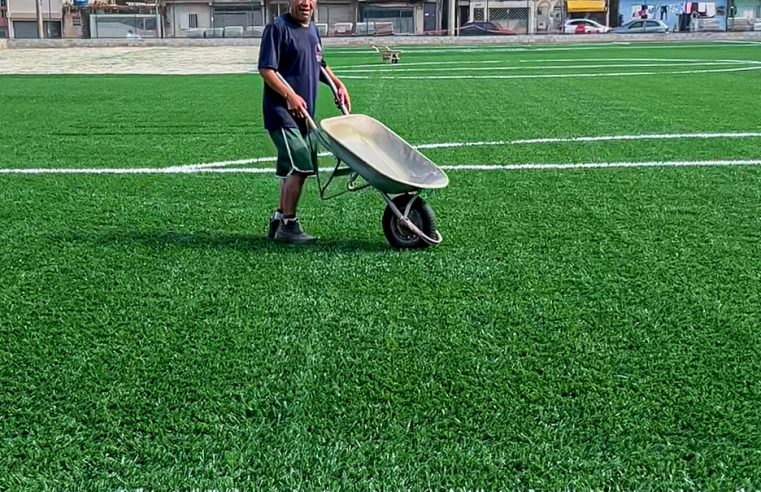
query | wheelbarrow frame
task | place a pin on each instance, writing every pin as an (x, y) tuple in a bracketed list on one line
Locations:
[(387, 54), (345, 156)]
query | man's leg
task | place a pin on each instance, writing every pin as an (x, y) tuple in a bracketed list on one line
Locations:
[(276, 219), (290, 192), (295, 163)]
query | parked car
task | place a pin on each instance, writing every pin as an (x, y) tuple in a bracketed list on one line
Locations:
[(573, 26), (483, 28), (639, 26)]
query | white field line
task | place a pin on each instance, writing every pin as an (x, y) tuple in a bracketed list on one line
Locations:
[(529, 46), (551, 76), (450, 47), (463, 167), (737, 41), (493, 49), (601, 165), (441, 145), (650, 59), (496, 143), (665, 62), (580, 47), (505, 60), (601, 138), (375, 65), (548, 67)]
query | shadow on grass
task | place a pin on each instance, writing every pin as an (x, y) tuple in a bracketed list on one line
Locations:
[(222, 240)]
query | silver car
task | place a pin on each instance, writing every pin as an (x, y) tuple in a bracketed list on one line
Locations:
[(642, 25)]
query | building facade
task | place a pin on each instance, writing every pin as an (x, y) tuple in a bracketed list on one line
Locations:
[(33, 18), (3, 19), (236, 18)]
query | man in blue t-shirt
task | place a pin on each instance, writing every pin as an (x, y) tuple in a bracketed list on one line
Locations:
[(291, 47)]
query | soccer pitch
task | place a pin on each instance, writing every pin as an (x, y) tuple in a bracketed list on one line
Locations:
[(590, 320)]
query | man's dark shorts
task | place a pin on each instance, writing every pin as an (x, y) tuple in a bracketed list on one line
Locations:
[(295, 153)]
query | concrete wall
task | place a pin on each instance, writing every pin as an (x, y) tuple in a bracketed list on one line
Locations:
[(69, 29), (419, 16), (395, 41), (3, 44), (178, 15), (27, 9)]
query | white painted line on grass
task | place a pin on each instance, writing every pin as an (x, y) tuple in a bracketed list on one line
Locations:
[(600, 165), (550, 76), (239, 162), (462, 167), (602, 138), (546, 67), (734, 41), (496, 143), (218, 166), (665, 62), (595, 46), (139, 170), (650, 59), (409, 64)]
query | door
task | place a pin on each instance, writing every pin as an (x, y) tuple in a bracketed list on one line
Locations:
[(429, 17)]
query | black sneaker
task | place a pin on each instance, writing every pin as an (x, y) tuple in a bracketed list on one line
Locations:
[(274, 226), (290, 232)]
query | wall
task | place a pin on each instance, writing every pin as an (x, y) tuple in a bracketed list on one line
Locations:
[(748, 8), (27, 9), (419, 17), (72, 29), (178, 20), (549, 39), (672, 10)]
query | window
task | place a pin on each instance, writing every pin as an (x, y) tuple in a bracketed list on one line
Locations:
[(387, 13), (636, 25), (652, 24), (3, 3), (192, 20)]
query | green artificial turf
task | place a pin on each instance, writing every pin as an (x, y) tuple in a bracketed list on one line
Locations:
[(577, 329)]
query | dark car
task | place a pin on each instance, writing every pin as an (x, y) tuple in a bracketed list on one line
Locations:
[(483, 28)]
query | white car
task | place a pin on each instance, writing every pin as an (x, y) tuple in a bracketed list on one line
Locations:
[(590, 26)]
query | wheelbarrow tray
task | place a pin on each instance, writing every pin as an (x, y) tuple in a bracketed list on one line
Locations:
[(380, 156)]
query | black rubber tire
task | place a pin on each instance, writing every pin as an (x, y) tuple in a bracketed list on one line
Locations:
[(421, 214)]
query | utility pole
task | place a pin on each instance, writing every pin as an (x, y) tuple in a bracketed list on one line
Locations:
[(452, 8), (159, 23), (40, 32)]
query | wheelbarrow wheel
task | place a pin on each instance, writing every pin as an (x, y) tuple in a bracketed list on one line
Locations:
[(421, 214)]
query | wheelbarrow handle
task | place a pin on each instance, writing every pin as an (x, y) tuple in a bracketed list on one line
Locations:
[(334, 89), (311, 122)]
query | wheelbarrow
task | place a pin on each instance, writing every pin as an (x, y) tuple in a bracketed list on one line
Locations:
[(387, 54), (372, 155)]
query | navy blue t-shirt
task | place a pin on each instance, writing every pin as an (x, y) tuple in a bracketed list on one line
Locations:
[(296, 52)]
